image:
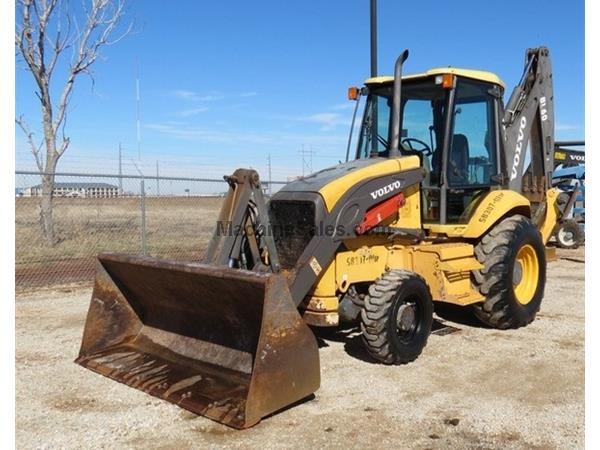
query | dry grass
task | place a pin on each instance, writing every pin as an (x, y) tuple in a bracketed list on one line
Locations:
[(176, 227)]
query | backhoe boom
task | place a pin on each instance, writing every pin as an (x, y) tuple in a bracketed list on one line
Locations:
[(529, 125)]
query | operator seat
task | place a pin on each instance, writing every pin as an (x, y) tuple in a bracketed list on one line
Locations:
[(458, 164), (458, 172)]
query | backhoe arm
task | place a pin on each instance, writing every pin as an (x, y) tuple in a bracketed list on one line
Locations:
[(529, 124)]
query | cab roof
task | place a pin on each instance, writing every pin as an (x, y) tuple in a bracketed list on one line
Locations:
[(480, 75)]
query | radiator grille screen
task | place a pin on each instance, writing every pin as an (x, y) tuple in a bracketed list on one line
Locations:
[(293, 224)]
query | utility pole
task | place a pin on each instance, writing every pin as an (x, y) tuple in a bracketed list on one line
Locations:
[(142, 209), (120, 170), (373, 32), (137, 111), (157, 181), (373, 29), (269, 165)]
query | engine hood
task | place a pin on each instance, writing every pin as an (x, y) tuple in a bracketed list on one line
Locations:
[(333, 182)]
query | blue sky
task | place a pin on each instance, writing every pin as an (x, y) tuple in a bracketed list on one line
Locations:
[(225, 84)]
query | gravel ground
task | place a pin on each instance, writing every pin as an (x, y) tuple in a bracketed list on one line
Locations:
[(472, 387)]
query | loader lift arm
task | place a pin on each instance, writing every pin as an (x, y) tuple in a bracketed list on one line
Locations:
[(242, 238)]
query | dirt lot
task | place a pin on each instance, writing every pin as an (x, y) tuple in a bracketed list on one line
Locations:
[(474, 387)]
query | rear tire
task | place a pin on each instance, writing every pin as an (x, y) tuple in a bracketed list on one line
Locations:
[(396, 318), (568, 234), (514, 273)]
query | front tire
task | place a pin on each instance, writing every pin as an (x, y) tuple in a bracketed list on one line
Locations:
[(396, 318), (514, 273)]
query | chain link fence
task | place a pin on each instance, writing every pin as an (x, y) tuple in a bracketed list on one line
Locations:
[(166, 217)]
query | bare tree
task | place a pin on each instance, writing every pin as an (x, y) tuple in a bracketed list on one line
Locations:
[(47, 29)]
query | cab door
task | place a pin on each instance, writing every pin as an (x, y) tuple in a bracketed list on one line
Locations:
[(472, 150)]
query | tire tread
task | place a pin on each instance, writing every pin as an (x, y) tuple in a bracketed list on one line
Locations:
[(493, 252), (375, 314)]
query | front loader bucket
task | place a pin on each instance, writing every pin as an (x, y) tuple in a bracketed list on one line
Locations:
[(224, 343)]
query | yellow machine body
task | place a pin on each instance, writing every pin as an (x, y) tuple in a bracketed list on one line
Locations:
[(446, 267)]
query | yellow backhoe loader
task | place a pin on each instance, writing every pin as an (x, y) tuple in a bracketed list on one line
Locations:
[(448, 199)]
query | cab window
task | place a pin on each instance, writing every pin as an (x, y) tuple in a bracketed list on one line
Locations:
[(472, 159)]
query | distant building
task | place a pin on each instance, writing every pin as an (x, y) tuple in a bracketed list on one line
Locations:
[(84, 190)]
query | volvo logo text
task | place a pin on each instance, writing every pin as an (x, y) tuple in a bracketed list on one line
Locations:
[(386, 189), (518, 148)]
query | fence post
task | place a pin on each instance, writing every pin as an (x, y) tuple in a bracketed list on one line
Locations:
[(143, 210)]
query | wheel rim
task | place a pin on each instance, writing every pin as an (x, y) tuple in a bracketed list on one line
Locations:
[(407, 320), (526, 274), (566, 237)]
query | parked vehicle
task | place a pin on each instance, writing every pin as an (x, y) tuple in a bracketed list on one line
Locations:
[(570, 179)]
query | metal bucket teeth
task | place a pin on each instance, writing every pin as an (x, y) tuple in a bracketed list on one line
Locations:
[(224, 343)]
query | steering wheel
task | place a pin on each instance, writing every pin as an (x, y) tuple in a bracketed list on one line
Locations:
[(425, 150)]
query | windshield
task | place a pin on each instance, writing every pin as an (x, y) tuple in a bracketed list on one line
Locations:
[(421, 122)]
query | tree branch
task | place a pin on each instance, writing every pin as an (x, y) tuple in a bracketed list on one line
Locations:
[(24, 39), (34, 148), (100, 19), (58, 45), (65, 140)]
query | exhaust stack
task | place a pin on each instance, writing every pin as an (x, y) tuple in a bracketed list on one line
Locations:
[(397, 103)]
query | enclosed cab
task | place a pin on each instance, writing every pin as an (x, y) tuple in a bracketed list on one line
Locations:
[(460, 151)]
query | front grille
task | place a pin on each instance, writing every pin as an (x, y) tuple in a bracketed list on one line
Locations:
[(293, 225)]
